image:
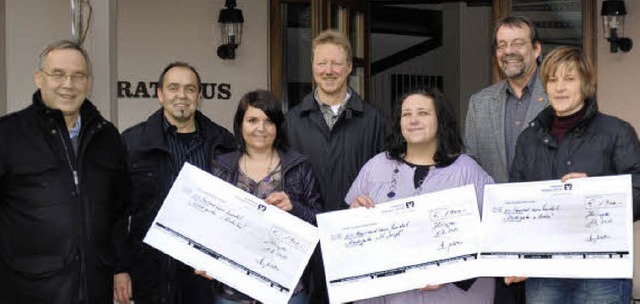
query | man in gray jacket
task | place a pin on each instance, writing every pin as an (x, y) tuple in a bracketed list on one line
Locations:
[(498, 113)]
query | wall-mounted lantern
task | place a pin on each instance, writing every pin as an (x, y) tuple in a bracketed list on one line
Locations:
[(613, 13), (230, 21)]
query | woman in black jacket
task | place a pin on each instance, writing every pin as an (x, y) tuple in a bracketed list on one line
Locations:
[(572, 139), (266, 168)]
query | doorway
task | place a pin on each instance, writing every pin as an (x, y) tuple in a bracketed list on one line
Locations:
[(400, 44)]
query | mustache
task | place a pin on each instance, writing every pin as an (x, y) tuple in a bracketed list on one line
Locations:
[(513, 56)]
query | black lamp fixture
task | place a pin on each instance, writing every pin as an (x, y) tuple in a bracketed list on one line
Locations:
[(230, 22), (613, 12)]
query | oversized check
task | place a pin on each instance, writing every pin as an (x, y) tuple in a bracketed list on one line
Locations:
[(400, 245), (579, 229), (235, 237)]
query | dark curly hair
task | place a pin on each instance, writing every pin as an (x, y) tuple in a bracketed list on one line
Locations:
[(265, 101), (449, 139)]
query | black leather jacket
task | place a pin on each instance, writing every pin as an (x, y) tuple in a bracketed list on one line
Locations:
[(599, 145), (57, 232), (156, 277)]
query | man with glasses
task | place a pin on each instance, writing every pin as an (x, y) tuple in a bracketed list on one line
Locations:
[(498, 113), (63, 190)]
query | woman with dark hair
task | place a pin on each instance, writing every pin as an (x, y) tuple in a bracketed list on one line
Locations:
[(424, 154), (572, 139), (266, 168)]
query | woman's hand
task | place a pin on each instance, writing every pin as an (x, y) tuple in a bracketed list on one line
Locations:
[(280, 200), (362, 201), (510, 280), (572, 175), (203, 274), (431, 287)]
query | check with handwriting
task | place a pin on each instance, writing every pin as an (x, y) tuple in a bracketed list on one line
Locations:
[(235, 237), (578, 229), (400, 245)]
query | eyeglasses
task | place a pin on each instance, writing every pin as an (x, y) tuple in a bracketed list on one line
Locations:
[(516, 44), (60, 77)]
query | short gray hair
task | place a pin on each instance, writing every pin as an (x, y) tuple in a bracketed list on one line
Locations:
[(64, 45)]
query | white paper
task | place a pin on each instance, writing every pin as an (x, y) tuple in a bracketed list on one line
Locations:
[(400, 245), (578, 229), (235, 237)]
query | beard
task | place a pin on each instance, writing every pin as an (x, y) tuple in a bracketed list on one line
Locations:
[(509, 69)]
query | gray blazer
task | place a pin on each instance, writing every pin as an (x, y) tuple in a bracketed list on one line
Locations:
[(484, 128)]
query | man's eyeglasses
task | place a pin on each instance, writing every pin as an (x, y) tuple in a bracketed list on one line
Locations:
[(516, 44), (60, 77)]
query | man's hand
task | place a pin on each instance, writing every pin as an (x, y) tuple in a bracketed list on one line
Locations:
[(122, 288), (510, 280), (203, 274)]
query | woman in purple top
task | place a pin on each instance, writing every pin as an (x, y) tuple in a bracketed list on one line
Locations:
[(424, 154)]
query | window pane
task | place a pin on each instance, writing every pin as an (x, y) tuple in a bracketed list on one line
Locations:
[(558, 22)]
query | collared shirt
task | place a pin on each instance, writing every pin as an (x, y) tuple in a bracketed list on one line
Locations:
[(185, 147), (75, 131), (515, 114), (331, 113), (74, 134)]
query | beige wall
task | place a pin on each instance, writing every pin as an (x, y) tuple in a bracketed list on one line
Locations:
[(152, 35), (619, 73), (149, 36), (145, 36), (30, 25)]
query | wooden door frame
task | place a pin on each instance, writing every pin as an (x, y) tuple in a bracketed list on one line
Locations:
[(275, 48)]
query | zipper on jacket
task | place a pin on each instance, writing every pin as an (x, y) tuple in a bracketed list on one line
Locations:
[(83, 290), (76, 179)]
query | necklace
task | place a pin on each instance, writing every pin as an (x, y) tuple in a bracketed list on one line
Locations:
[(394, 181), (268, 172)]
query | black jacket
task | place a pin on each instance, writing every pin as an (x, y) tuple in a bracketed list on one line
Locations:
[(57, 236), (599, 145), (299, 182), (156, 277), (336, 154)]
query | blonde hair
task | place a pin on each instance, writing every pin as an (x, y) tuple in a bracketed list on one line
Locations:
[(333, 37), (570, 58)]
